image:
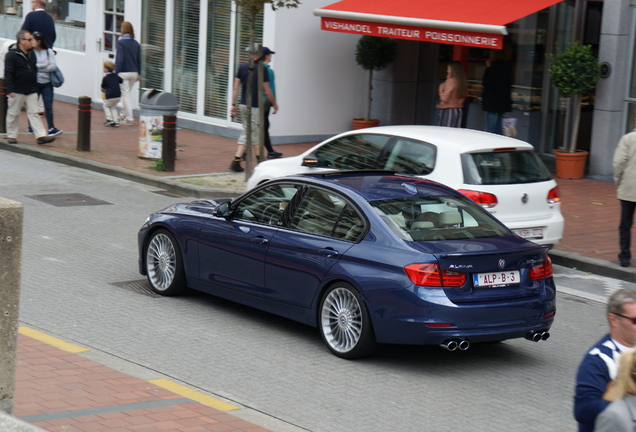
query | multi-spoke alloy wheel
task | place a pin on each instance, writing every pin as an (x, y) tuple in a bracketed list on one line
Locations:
[(344, 323), (163, 264)]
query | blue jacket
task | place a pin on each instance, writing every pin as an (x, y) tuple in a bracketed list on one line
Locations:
[(128, 55), (110, 85), (598, 368)]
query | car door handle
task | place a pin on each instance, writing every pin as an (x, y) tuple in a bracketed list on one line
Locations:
[(329, 252), (259, 240)]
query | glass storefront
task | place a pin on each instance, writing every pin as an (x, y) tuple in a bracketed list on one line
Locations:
[(538, 110)]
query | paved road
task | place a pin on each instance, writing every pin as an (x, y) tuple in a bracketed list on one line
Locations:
[(79, 273)]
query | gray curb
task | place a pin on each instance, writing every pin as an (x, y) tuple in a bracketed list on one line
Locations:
[(566, 259), (170, 185)]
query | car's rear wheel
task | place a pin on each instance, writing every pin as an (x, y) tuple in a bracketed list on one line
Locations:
[(164, 265), (345, 324)]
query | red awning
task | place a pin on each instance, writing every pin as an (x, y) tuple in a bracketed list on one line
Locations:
[(479, 23)]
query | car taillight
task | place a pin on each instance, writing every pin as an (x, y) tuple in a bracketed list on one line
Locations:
[(542, 271), (554, 196), (486, 200), (431, 275)]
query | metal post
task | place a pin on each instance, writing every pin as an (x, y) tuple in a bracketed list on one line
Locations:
[(11, 216), (169, 141), (3, 106), (84, 124)]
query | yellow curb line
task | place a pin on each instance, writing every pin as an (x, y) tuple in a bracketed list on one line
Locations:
[(58, 343), (192, 394)]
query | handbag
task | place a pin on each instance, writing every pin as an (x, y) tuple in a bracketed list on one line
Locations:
[(57, 79)]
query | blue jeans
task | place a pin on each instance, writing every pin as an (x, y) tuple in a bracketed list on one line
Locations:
[(46, 91), (493, 123)]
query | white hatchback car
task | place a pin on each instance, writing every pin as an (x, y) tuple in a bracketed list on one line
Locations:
[(503, 175)]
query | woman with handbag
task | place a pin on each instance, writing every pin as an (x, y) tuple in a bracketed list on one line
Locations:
[(45, 62)]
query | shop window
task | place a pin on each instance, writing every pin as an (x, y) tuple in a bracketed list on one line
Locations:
[(153, 44), (217, 71), (10, 18), (186, 54), (113, 17), (70, 23)]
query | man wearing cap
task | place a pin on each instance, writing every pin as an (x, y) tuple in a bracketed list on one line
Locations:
[(241, 80), (267, 58)]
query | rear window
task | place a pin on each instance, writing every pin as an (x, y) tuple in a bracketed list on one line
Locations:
[(504, 167), (438, 218)]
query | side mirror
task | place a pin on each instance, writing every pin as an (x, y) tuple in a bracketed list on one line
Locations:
[(222, 210), (310, 161)]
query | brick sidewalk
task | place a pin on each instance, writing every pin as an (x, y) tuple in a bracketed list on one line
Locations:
[(61, 391)]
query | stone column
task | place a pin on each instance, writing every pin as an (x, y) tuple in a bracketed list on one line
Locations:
[(608, 126), (10, 255)]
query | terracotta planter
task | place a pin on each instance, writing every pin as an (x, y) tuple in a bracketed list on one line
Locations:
[(360, 123), (570, 165)]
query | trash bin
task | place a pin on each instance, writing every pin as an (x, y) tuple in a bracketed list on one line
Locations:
[(153, 105)]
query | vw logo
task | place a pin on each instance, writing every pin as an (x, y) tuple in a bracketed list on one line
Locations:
[(501, 263), (524, 198)]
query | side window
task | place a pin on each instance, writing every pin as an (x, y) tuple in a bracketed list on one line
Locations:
[(266, 205), (410, 157), (352, 152), (326, 214)]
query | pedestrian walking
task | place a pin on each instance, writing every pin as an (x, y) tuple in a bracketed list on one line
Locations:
[(267, 58), (496, 98), (111, 93), (620, 415), (20, 73), (624, 163), (452, 94), (45, 62), (240, 80), (128, 67), (595, 385), (39, 20)]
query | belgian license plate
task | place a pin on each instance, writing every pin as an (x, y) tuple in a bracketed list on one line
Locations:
[(529, 233), (503, 278)]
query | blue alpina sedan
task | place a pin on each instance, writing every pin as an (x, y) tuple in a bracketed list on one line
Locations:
[(366, 257)]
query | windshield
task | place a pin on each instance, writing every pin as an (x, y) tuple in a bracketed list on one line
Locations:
[(438, 218), (503, 167)]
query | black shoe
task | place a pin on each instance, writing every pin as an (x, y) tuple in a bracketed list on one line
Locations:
[(12, 140), (235, 166), (625, 264), (274, 154), (45, 140)]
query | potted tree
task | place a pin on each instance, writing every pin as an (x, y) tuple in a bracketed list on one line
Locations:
[(574, 72), (373, 53)]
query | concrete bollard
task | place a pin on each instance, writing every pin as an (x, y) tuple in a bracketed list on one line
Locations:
[(169, 141), (11, 252), (84, 124), (4, 105)]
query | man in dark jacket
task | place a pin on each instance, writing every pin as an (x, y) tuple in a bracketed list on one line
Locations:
[(497, 82), (39, 20), (20, 74)]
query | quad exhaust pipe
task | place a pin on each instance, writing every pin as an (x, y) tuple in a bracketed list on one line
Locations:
[(537, 336), (453, 344)]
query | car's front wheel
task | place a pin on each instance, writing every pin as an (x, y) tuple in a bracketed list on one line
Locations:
[(345, 324), (164, 265)]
